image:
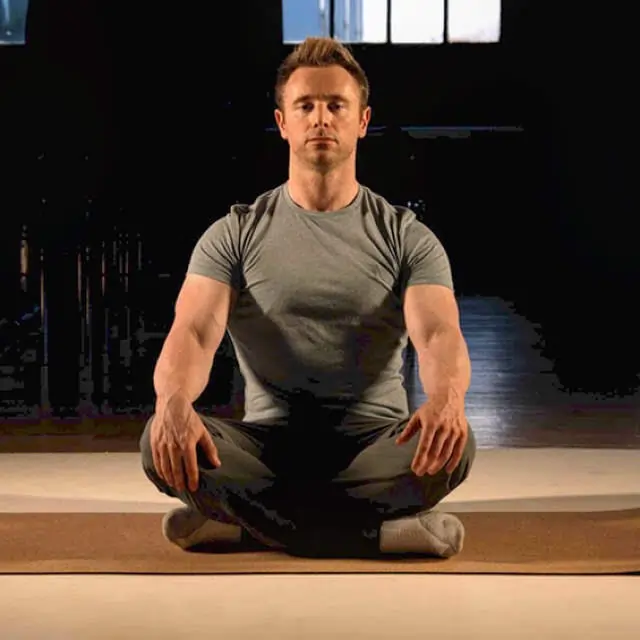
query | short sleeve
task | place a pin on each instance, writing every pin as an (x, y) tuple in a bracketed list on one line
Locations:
[(425, 260), (216, 254)]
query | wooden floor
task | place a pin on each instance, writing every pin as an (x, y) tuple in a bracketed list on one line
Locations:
[(515, 399), (542, 449)]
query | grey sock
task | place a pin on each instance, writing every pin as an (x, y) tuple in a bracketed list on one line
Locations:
[(431, 533)]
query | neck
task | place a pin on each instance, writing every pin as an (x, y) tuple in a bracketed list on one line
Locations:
[(317, 191)]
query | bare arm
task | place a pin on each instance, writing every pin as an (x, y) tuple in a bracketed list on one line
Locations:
[(201, 314), (433, 323)]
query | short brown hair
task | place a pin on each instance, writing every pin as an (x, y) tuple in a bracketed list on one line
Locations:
[(321, 52)]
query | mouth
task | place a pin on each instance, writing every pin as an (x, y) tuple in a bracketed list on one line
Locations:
[(322, 140)]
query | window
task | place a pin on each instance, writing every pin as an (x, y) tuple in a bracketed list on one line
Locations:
[(13, 21), (411, 21), (304, 18), (417, 21), (360, 21), (474, 20)]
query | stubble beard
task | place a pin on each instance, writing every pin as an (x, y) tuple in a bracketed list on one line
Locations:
[(323, 162)]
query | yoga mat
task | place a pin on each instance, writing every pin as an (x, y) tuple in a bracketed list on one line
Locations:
[(606, 542)]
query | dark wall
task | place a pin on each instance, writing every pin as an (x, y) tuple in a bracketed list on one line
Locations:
[(127, 130)]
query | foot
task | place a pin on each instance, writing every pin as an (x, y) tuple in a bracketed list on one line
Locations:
[(186, 528), (431, 533)]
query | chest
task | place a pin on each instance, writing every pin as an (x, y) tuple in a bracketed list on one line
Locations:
[(324, 276)]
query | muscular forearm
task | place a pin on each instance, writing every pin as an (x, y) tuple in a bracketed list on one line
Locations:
[(184, 366), (444, 365)]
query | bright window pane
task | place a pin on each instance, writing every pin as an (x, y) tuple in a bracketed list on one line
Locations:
[(13, 21), (474, 20), (360, 20), (417, 21), (304, 18)]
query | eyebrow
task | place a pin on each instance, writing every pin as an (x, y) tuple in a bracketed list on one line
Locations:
[(332, 97)]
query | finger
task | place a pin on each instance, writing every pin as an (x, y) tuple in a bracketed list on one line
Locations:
[(456, 455), (439, 443), (409, 431), (441, 449), (434, 440), (210, 449), (175, 458), (157, 465), (165, 465), (190, 459), (439, 459), (422, 450)]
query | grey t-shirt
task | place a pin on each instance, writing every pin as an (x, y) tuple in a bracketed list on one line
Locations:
[(319, 319)]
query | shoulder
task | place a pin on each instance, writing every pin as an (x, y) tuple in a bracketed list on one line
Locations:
[(242, 217), (264, 204), (400, 221)]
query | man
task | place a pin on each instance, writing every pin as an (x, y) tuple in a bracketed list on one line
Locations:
[(318, 283)]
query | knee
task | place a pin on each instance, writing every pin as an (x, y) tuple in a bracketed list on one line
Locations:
[(461, 473), (146, 455)]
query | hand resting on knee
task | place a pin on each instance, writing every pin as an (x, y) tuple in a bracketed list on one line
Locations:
[(176, 431)]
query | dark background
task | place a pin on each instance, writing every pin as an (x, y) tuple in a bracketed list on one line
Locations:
[(126, 130)]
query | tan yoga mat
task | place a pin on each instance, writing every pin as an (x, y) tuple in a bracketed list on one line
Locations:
[(605, 542)]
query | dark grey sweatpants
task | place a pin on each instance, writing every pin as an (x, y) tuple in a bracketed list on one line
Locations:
[(316, 492)]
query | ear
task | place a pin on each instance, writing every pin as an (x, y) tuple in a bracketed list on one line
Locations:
[(279, 116), (364, 121)]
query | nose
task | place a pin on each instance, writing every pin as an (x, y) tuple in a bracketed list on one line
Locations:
[(321, 116)]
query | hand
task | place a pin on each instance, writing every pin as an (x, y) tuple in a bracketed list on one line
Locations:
[(176, 430), (443, 436)]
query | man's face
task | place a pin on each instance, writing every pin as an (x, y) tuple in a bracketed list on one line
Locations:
[(321, 117)]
